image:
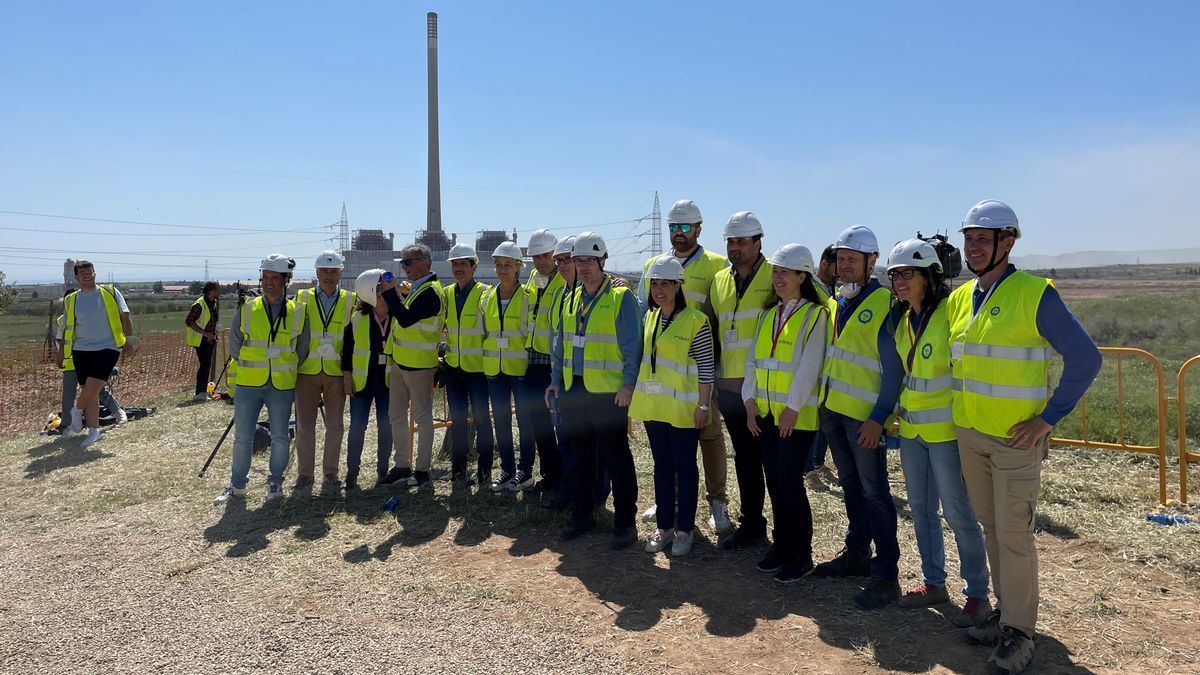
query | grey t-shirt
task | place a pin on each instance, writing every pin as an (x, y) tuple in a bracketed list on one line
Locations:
[(92, 332)]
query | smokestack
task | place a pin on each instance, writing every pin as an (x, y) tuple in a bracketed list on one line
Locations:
[(433, 218)]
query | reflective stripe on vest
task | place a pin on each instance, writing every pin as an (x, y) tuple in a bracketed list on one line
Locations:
[(111, 311), (195, 337), (603, 367), (256, 365), (360, 358), (925, 400), (417, 345), (853, 373), (771, 383), (669, 390), (1001, 376), (308, 306), (541, 311), (505, 335), (740, 315), (464, 333)]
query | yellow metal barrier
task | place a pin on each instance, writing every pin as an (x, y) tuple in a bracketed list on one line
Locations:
[(1184, 455), (1159, 450)]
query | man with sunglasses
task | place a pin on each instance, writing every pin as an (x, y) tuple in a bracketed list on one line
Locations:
[(416, 311), (700, 266)]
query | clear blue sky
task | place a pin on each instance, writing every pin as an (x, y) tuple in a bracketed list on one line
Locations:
[(1084, 116)]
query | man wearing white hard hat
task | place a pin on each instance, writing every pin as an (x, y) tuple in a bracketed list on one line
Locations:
[(1004, 327), (268, 339), (544, 287), (326, 311), (365, 353), (684, 222), (862, 384), (597, 353)]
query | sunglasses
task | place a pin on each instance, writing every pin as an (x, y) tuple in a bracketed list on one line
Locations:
[(680, 227), (905, 274), (407, 262)]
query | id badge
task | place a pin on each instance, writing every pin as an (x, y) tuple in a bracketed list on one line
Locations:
[(578, 340), (731, 336), (274, 352), (502, 343), (956, 350), (653, 387), (382, 359), (770, 364)]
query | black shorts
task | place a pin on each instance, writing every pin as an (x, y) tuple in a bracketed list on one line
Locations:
[(97, 364)]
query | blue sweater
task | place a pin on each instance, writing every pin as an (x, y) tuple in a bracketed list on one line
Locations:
[(629, 339), (893, 368)]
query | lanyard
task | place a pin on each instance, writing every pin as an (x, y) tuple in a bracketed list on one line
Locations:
[(781, 322), (691, 255), (659, 320), (587, 309), (275, 323), (504, 311), (384, 325), (326, 320), (912, 338)]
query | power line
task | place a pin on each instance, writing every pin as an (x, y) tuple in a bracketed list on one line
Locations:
[(156, 224), (175, 254)]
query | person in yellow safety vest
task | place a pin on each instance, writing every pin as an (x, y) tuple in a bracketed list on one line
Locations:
[(672, 397), (543, 290), (268, 341), (203, 325), (859, 393), (783, 368), (365, 352), (504, 317), (325, 310), (684, 221), (94, 337), (596, 356), (415, 306), (1003, 328), (928, 447), (735, 303), (817, 476), (466, 385), (71, 382)]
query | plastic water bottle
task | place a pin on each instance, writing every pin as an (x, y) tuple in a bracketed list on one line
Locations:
[(554, 418), (388, 276), (391, 504), (1167, 519)]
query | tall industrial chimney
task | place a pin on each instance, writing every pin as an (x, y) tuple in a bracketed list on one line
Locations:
[(433, 218)]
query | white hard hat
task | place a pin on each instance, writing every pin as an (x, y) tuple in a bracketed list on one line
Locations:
[(857, 238), (665, 267), (541, 241), (460, 251), (742, 224), (913, 253), (564, 245), (685, 211), (329, 260), (508, 249), (793, 257), (366, 284), (278, 262), (589, 243), (990, 214)]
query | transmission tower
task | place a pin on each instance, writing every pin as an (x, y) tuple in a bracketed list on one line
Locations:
[(656, 246), (343, 232)]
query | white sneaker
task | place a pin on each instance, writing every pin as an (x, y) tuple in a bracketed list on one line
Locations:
[(76, 420), (273, 492), (719, 520), (658, 541), (200, 398), (122, 416), (92, 437), (682, 544), (650, 514), (228, 493)]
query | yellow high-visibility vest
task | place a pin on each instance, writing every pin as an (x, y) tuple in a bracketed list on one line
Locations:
[(668, 384), (464, 332), (602, 367), (195, 337), (505, 333), (542, 302), (853, 372), (111, 311), (925, 401), (738, 318), (328, 330), (360, 358), (698, 275), (265, 357), (773, 362)]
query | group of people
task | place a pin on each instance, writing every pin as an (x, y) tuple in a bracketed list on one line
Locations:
[(795, 355)]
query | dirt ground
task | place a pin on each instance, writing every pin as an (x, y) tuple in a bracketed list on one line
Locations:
[(1091, 289), (114, 560)]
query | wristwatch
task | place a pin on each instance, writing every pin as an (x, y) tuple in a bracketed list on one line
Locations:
[(703, 407)]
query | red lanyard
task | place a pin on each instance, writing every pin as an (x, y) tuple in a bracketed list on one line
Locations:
[(781, 322)]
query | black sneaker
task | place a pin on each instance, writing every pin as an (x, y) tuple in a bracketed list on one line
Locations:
[(419, 478), (770, 563), (743, 537), (520, 482), (793, 572), (351, 483), (621, 538), (846, 564), (502, 481), (575, 529), (396, 474), (878, 593), (987, 633)]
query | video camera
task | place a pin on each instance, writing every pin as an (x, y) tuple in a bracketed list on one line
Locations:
[(948, 254), (243, 293)]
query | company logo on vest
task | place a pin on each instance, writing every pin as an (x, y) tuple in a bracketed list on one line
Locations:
[(865, 316), (995, 311), (927, 350)]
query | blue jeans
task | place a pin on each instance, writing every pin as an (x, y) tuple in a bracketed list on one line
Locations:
[(674, 452), (360, 414), (862, 473), (71, 387), (247, 403), (503, 390), (816, 454), (933, 473)]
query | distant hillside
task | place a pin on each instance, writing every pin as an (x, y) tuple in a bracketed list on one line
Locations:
[(1104, 258)]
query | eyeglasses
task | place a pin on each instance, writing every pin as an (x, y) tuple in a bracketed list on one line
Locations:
[(586, 260), (407, 262), (565, 260), (680, 227), (905, 273)]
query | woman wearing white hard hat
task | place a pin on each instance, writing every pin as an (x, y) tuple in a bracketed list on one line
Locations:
[(928, 442), (366, 376), (504, 315), (780, 394), (672, 395)]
